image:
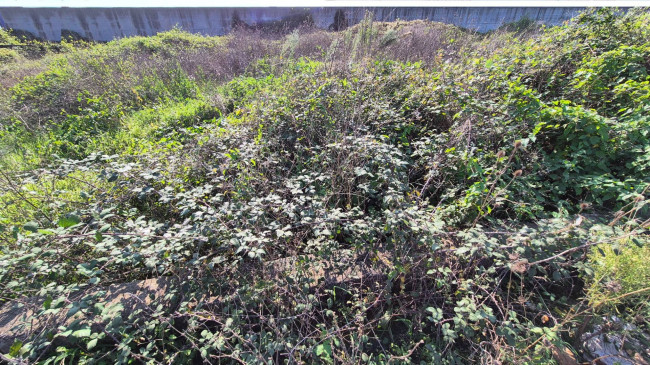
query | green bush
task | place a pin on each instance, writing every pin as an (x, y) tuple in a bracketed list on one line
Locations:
[(408, 193), (621, 275)]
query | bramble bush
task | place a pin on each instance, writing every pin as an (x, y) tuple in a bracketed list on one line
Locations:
[(347, 197)]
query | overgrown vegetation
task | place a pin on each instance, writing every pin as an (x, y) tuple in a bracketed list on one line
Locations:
[(391, 193)]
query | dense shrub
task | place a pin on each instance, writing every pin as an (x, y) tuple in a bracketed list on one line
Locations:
[(391, 193)]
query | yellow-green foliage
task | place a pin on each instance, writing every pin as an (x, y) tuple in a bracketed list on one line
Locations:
[(141, 130), (168, 42), (620, 275), (7, 38), (18, 153), (47, 198), (8, 55)]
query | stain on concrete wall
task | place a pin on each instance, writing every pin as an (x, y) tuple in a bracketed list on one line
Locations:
[(105, 24)]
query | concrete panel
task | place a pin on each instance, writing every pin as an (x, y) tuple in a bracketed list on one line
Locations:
[(105, 24)]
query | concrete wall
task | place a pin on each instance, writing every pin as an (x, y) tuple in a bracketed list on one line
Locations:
[(104, 24)]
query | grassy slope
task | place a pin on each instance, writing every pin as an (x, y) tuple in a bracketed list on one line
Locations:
[(498, 183)]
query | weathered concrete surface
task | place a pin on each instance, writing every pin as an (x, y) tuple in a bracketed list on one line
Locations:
[(616, 343), (105, 24)]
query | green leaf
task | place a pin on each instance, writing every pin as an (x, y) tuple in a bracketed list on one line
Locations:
[(69, 221), (82, 333), (73, 310), (436, 314), (537, 330), (31, 226), (324, 350), (14, 350), (91, 344), (47, 303)]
